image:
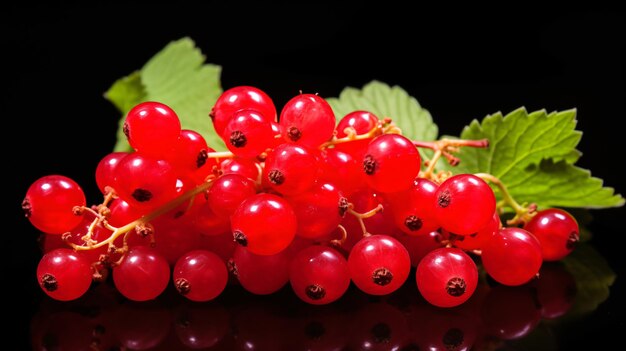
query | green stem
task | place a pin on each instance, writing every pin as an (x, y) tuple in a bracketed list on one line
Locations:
[(522, 212)]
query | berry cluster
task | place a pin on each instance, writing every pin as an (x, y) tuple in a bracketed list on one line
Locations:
[(296, 199)]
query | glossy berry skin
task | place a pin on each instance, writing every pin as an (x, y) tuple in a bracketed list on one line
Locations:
[(414, 208), (479, 239), (200, 275), (342, 170), (248, 134), (379, 264), (290, 169), (391, 163), (464, 204), (152, 128), (239, 98), (143, 274), (318, 210), (49, 202), (362, 122), (145, 182), (105, 171), (228, 192), (243, 166), (308, 120), (64, 274), (264, 223), (261, 274), (190, 153), (446, 277), (319, 275), (512, 256), (557, 232)]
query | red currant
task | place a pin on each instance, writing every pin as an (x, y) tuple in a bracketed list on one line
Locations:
[(512, 256), (557, 232), (391, 163), (464, 204), (446, 277), (152, 128), (50, 201)]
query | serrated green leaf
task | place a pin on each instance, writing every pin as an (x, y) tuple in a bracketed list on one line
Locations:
[(533, 155), (385, 101), (560, 184), (176, 76), (593, 278)]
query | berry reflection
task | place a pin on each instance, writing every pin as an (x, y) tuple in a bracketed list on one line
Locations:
[(493, 317)]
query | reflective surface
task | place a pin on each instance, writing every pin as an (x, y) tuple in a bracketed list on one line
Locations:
[(538, 315)]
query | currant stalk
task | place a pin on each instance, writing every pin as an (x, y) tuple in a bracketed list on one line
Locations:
[(523, 212)]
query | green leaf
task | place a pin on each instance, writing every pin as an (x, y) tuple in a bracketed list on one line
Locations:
[(127, 92), (178, 77), (560, 184), (534, 155), (593, 278), (385, 101)]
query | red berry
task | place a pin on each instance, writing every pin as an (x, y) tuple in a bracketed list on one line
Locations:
[(290, 169), (264, 223), (143, 274), (64, 274), (319, 275), (379, 264), (239, 98), (512, 256), (446, 277), (248, 134), (145, 182), (308, 120), (557, 232), (464, 204), (105, 171), (49, 204), (391, 163), (200, 275), (152, 128), (362, 122)]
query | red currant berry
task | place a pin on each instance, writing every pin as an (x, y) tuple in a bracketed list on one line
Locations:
[(319, 275), (264, 223), (447, 277), (152, 128), (200, 275), (557, 232), (307, 119), (239, 98), (63, 274), (391, 163), (50, 201), (379, 264), (143, 274), (512, 256), (464, 204)]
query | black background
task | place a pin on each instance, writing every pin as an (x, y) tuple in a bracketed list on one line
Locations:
[(458, 65)]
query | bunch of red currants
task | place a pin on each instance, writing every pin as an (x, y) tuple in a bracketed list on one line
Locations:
[(296, 199)]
